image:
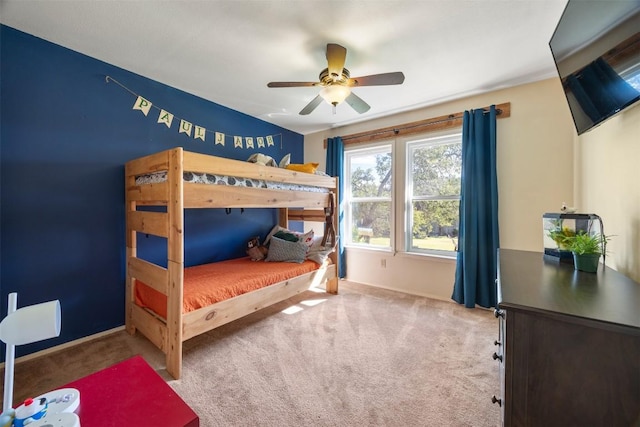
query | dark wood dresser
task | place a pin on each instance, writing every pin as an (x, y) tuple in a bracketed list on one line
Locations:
[(568, 345)]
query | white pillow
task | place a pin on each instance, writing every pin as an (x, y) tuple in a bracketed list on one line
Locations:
[(285, 161), (319, 255)]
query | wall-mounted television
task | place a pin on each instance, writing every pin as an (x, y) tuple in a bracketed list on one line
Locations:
[(596, 48)]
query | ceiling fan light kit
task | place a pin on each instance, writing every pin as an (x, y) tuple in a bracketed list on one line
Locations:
[(335, 94), (336, 83)]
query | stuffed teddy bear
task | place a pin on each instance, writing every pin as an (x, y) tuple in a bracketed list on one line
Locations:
[(256, 251)]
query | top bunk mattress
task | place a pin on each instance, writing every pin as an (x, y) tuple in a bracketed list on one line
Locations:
[(210, 283), (207, 178)]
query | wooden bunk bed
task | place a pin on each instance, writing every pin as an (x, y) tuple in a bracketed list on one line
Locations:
[(176, 194)]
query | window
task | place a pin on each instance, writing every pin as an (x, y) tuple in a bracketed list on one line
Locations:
[(632, 75), (433, 169), (369, 191), (428, 222)]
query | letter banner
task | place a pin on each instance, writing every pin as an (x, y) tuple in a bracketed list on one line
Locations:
[(165, 117), (185, 127), (219, 138), (199, 133), (142, 105)]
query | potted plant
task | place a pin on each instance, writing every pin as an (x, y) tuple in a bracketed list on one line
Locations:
[(586, 249)]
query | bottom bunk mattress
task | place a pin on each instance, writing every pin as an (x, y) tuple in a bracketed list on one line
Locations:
[(210, 283)]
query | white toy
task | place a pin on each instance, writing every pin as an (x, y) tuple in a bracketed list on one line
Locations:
[(64, 419), (62, 400), (54, 408)]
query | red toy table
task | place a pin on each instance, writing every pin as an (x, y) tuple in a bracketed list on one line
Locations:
[(130, 393)]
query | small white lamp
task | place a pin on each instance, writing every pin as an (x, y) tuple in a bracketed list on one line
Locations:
[(24, 326), (335, 94)]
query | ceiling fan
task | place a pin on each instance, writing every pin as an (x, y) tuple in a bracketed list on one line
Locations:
[(337, 82)]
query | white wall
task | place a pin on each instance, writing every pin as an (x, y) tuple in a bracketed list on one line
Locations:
[(535, 175), (608, 183)]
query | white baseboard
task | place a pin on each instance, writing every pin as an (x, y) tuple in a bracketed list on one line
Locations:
[(66, 345), (404, 291)]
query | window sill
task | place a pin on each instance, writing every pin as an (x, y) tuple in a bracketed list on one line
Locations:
[(423, 256), (431, 257), (362, 248)]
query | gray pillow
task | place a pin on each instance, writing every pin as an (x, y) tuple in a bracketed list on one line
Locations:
[(282, 250)]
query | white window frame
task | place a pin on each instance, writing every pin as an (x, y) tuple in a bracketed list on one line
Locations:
[(422, 141), (385, 146), (401, 200)]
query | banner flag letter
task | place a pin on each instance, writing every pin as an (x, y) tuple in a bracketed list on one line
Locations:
[(185, 127), (269, 140), (165, 117), (237, 142), (142, 105), (219, 138), (199, 133), (260, 141), (249, 141)]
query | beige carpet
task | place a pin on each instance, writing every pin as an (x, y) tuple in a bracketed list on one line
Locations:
[(366, 357)]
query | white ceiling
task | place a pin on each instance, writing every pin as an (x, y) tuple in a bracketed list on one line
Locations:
[(227, 51)]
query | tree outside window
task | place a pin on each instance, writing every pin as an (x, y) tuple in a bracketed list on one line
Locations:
[(434, 166), (430, 191), (369, 199)]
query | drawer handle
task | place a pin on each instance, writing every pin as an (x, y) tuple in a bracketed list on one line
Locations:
[(494, 399), (496, 342), (498, 313), (496, 357)]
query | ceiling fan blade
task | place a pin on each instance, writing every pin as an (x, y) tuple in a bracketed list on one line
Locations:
[(357, 103), (311, 106), (336, 56), (292, 84), (377, 79)]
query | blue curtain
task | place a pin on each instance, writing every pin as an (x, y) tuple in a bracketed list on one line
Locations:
[(600, 91), (335, 167), (476, 267)]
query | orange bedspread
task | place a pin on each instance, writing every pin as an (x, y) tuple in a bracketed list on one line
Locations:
[(210, 283)]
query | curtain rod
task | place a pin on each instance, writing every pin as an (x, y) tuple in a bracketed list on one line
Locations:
[(428, 123), (441, 122)]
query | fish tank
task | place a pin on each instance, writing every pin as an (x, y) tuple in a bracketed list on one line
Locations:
[(559, 228)]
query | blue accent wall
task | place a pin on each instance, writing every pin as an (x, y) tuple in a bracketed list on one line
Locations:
[(65, 135)]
